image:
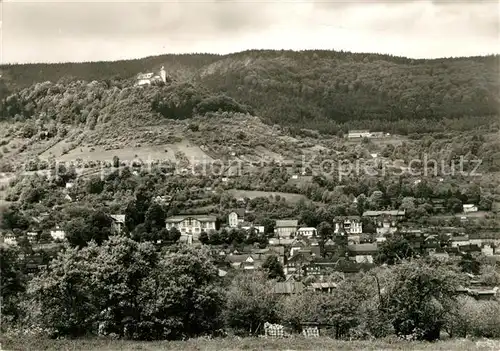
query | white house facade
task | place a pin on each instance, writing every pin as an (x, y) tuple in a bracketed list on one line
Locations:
[(307, 232), (350, 225), (354, 134), (235, 218), (469, 208), (192, 224), (286, 228)]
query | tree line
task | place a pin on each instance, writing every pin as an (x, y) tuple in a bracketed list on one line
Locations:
[(134, 290)]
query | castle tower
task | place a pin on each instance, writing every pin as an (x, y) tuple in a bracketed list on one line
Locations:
[(163, 74)]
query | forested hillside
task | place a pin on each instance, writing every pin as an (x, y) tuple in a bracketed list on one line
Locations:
[(325, 90)]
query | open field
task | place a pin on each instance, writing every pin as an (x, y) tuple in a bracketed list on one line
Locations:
[(395, 140), (145, 153), (298, 343), (292, 198), (268, 154)]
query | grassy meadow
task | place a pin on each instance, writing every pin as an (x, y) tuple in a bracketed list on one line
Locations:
[(298, 343)]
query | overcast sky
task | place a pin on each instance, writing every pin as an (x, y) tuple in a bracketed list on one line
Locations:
[(56, 31)]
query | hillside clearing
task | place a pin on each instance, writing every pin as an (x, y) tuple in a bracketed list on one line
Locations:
[(293, 198), (166, 152)]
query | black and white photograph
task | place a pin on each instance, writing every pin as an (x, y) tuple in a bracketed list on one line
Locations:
[(249, 175)]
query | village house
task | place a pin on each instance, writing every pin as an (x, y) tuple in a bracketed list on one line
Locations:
[(117, 223), (259, 228), (362, 253), (377, 134), (58, 234), (351, 224), (356, 134), (324, 287), (280, 242), (162, 199), (150, 78), (296, 264), (286, 228), (307, 232), (192, 224), (488, 250), (247, 261), (354, 239), (9, 239), (278, 251), (468, 208), (385, 221), (459, 240), (303, 246), (472, 249), (32, 237), (438, 205), (319, 267), (236, 217), (480, 293)]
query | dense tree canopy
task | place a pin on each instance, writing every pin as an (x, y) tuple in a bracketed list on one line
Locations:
[(324, 90)]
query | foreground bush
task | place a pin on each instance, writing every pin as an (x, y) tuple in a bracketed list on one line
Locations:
[(128, 289)]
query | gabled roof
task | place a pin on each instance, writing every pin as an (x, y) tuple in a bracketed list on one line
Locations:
[(306, 229), (240, 212), (287, 223), (363, 248), (298, 243), (236, 258), (301, 256), (201, 218), (329, 242), (118, 218), (145, 75), (359, 131)]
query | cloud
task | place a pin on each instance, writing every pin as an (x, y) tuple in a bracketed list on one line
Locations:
[(80, 31)]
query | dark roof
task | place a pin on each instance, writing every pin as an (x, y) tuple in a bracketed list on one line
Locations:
[(239, 211), (363, 248), (236, 258), (201, 218), (118, 218), (359, 131), (469, 248), (301, 256), (460, 238), (316, 250), (380, 213), (287, 223), (343, 218)]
